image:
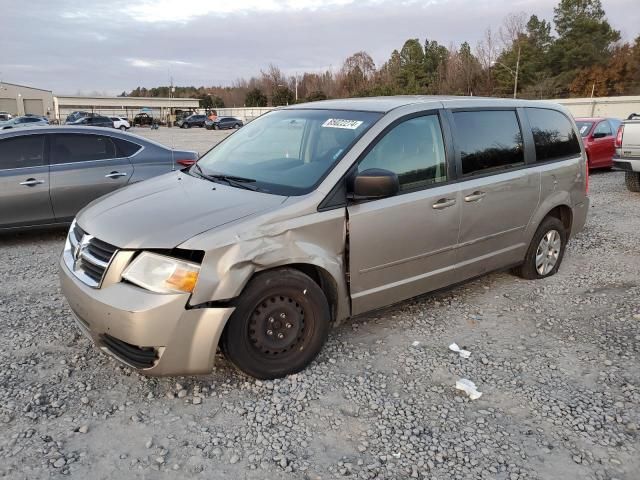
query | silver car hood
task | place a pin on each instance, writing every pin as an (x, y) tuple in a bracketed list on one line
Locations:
[(165, 211)]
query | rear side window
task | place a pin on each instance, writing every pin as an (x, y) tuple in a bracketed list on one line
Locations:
[(413, 150), (22, 152), (71, 148), (488, 139), (125, 148), (553, 134)]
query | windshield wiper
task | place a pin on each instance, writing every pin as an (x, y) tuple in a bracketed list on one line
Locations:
[(232, 180)]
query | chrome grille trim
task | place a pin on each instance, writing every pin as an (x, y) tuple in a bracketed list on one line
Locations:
[(87, 257)]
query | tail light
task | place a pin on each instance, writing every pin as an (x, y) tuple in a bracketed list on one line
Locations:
[(186, 162), (619, 136)]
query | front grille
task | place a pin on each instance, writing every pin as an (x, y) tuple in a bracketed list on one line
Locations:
[(88, 257), (139, 357)]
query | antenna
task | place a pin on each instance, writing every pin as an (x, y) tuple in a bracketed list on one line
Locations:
[(169, 126)]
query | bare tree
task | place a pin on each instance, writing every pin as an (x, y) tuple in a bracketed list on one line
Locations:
[(487, 52), (513, 26)]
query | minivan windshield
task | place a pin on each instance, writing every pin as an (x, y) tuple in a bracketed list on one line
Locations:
[(287, 152)]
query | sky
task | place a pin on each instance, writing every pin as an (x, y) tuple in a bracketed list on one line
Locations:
[(87, 47)]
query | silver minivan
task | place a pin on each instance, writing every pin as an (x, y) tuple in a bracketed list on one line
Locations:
[(318, 212)]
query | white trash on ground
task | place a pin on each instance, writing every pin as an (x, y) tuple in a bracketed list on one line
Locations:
[(463, 353), (469, 388)]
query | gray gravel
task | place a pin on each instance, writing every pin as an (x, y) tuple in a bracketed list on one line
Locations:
[(556, 360)]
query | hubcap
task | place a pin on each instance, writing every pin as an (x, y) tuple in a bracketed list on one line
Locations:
[(548, 252), (277, 325)]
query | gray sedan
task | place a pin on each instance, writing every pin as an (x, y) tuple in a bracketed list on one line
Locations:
[(47, 174)]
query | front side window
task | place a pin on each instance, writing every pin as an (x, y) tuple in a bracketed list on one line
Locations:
[(553, 134), (71, 148), (22, 152), (288, 152), (603, 129), (413, 150), (488, 139)]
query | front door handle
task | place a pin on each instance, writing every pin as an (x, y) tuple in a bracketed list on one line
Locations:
[(31, 182), (444, 203), (115, 175), (475, 196)]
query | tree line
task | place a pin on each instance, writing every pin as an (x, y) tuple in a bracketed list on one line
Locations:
[(576, 54)]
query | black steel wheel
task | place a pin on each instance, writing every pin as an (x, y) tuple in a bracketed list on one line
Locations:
[(279, 326)]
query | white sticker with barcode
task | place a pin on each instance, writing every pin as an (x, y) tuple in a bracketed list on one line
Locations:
[(341, 123), (583, 129)]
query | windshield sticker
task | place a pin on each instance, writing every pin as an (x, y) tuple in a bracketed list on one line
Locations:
[(583, 129), (340, 123)]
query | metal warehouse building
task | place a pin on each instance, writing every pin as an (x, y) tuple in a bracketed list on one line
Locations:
[(21, 100)]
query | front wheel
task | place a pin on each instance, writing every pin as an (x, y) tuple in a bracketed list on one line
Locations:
[(279, 326), (545, 252), (632, 181), (236, 126)]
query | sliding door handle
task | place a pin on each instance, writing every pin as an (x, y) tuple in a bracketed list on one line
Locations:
[(475, 196), (444, 203)]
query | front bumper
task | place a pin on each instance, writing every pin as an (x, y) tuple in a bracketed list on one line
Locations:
[(132, 324)]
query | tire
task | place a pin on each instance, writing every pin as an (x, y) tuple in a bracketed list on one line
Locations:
[(279, 326), (236, 126), (632, 181), (123, 128), (531, 269)]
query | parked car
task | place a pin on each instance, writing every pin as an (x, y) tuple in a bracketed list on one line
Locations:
[(93, 121), (627, 156), (47, 174), (24, 121), (598, 135), (73, 116), (120, 123), (142, 120), (192, 121), (222, 123), (248, 250), (4, 116)]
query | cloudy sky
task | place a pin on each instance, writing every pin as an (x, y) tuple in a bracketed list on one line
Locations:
[(73, 46)]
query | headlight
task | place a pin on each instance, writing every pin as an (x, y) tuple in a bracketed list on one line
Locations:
[(162, 274)]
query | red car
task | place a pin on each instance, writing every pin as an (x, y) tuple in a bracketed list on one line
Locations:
[(599, 135)]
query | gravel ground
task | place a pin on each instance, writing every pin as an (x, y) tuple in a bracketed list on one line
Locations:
[(556, 360), (198, 139)]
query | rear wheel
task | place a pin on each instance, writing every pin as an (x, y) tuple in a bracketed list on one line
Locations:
[(123, 128), (279, 326), (236, 126), (632, 181), (545, 252)]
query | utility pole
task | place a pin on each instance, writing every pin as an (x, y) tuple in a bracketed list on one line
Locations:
[(296, 87), (515, 83)]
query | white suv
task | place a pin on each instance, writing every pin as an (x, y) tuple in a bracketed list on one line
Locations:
[(120, 123)]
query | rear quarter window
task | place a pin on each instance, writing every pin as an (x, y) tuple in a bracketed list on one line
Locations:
[(125, 148), (553, 134)]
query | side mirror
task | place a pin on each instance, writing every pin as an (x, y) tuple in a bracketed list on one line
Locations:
[(374, 183), (599, 135)]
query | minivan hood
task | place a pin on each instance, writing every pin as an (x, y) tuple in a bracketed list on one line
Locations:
[(165, 211)]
